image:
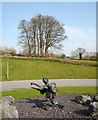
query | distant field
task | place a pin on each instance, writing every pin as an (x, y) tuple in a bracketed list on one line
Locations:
[(35, 69), (30, 93)]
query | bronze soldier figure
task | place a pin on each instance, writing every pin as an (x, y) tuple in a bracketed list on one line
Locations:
[(50, 92)]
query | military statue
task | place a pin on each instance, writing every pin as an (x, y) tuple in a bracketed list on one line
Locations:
[(49, 89)]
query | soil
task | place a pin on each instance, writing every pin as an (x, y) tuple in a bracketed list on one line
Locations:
[(33, 108)]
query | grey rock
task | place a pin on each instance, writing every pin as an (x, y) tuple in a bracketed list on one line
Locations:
[(95, 99), (8, 99), (83, 99), (6, 109), (93, 109)]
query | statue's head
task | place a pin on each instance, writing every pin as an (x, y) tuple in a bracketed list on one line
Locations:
[(45, 80)]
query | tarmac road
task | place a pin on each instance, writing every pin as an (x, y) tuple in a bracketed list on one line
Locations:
[(25, 84)]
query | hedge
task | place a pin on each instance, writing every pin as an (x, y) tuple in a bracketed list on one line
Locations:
[(74, 62)]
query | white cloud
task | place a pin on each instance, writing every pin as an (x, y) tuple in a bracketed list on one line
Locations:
[(88, 44), (81, 34), (77, 37)]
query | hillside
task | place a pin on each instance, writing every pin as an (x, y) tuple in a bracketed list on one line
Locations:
[(32, 69)]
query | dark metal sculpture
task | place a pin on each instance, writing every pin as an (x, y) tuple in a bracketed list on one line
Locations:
[(49, 89)]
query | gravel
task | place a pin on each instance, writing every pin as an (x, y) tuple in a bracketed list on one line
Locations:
[(33, 108)]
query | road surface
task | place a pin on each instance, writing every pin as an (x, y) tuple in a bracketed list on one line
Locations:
[(25, 84)]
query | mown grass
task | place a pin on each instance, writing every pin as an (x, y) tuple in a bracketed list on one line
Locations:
[(30, 93), (34, 69)]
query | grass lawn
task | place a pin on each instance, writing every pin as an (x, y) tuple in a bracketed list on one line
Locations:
[(30, 93), (34, 69)]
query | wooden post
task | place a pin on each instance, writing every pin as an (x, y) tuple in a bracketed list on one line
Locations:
[(7, 69)]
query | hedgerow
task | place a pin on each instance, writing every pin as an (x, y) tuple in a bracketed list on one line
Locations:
[(64, 61)]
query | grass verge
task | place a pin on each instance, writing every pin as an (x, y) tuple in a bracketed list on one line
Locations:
[(30, 93)]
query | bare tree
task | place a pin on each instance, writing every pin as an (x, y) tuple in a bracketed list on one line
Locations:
[(34, 34), (93, 55), (24, 39), (6, 50), (41, 33), (54, 33), (87, 56), (79, 52), (40, 24), (13, 51), (63, 56), (24, 52)]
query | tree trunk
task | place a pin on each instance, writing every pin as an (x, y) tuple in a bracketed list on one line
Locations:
[(29, 47), (46, 52), (41, 50), (38, 44), (80, 56), (29, 51), (46, 49), (34, 45)]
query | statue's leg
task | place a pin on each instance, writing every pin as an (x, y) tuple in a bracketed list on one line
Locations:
[(55, 102), (43, 101)]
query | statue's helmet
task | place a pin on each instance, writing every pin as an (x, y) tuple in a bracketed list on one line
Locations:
[(45, 80)]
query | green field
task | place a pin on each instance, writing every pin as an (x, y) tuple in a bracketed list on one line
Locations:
[(30, 93), (34, 69)]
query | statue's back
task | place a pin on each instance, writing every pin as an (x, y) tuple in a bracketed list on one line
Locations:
[(52, 87)]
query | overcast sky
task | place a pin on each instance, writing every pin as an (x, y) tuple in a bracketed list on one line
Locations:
[(79, 19)]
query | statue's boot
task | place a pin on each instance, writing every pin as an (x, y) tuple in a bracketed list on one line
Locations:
[(57, 104), (44, 106), (61, 106)]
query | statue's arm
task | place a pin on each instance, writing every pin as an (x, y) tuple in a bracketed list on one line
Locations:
[(36, 85), (41, 86)]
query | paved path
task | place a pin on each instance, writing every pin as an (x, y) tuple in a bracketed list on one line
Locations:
[(25, 84)]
